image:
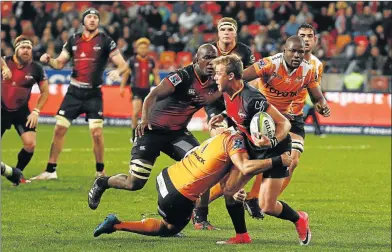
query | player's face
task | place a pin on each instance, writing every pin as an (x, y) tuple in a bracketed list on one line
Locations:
[(227, 34), (204, 61), (294, 54), (91, 22), (24, 54), (142, 50), (309, 39), (221, 77)]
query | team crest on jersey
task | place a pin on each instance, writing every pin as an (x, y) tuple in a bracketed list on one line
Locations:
[(241, 114), (175, 79), (96, 48), (238, 144), (29, 77), (261, 63)]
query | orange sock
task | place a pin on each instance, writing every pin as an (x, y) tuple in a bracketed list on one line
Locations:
[(149, 226), (286, 182), (215, 192), (254, 193)]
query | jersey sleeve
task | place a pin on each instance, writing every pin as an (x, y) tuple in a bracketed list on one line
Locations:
[(177, 77), (235, 144), (152, 63), (112, 47), (319, 71), (41, 74), (264, 67), (312, 79), (67, 47)]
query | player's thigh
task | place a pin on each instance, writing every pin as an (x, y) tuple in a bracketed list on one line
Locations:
[(234, 181), (93, 106), (175, 208), (6, 121), (181, 142), (298, 126), (71, 105), (148, 146), (20, 121), (269, 191), (136, 106)]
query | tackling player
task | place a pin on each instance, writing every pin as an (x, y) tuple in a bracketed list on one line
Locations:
[(181, 184), (15, 94), (141, 67), (242, 103), (226, 44), (89, 51), (284, 78), (166, 113)]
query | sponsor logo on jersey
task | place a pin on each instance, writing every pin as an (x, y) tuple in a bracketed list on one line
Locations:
[(191, 91), (200, 159), (29, 77), (96, 48), (175, 79), (259, 105)]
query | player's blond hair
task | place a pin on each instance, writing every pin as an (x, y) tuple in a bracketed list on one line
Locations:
[(233, 64), (142, 41)]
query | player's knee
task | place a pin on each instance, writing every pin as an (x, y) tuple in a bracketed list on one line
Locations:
[(96, 134), (62, 122), (140, 171), (268, 208), (29, 145), (59, 131)]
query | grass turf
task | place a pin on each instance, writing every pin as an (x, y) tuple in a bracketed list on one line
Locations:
[(343, 182)]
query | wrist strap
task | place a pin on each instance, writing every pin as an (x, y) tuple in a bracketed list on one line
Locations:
[(274, 141), (224, 114), (36, 111), (277, 162)]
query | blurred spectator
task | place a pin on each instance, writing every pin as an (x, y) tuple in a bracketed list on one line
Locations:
[(188, 19), (297, 8), (133, 10), (38, 48), (60, 41), (291, 26), (260, 40), (40, 19), (75, 26), (264, 14), (164, 11), (173, 26), (178, 40), (323, 20), (46, 37), (179, 8), (206, 19), (381, 39), (362, 23), (105, 15), (340, 22), (124, 48), (57, 28), (244, 36), (195, 41), (151, 15), (349, 20), (273, 30), (387, 70), (282, 12), (159, 39), (50, 49), (241, 19), (69, 12), (119, 14), (231, 10), (250, 11), (376, 61), (139, 28), (24, 10), (304, 14)]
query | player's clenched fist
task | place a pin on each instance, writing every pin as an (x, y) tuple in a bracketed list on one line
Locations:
[(45, 58)]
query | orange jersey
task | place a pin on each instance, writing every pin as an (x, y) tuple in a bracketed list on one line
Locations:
[(206, 165), (299, 103), (278, 85)]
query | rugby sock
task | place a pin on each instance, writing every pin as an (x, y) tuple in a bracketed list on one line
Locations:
[(103, 182), (254, 192), (133, 134), (51, 167), (237, 215), (24, 158), (99, 167), (147, 226), (288, 213), (201, 214), (215, 192)]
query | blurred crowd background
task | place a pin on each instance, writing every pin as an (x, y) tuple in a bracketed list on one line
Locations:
[(354, 44)]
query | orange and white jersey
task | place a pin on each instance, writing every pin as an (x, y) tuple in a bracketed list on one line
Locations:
[(279, 85), (299, 103), (207, 164)]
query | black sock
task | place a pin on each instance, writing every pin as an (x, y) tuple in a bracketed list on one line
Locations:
[(201, 214), (24, 158), (2, 168), (103, 182), (133, 134), (237, 215), (288, 213), (99, 167), (50, 167)]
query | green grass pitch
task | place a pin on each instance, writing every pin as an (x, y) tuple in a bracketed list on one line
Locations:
[(343, 182)]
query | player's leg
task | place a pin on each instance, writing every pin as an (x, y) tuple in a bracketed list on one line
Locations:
[(175, 209), (70, 109), (144, 153), (297, 133), (136, 108), (12, 174), (6, 121)]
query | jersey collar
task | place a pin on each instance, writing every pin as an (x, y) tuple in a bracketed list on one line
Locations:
[(238, 91), (198, 78), (226, 52)]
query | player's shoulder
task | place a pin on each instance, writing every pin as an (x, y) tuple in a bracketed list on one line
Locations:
[(181, 75), (315, 61), (76, 35), (307, 66), (37, 65), (250, 93), (275, 59), (242, 46)]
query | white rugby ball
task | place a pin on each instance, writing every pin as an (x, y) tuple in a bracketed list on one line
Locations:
[(262, 123)]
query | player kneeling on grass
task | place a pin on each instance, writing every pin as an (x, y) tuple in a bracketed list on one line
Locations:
[(180, 185)]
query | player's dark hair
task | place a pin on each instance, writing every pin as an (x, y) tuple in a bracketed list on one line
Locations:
[(307, 26), (233, 64)]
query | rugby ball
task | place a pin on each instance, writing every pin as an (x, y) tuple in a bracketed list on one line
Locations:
[(262, 123)]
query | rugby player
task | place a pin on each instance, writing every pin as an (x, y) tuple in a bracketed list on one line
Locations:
[(166, 113), (89, 51), (181, 184), (242, 103), (15, 93), (141, 68)]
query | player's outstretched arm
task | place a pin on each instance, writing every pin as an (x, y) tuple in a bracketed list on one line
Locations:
[(32, 119), (122, 67), (57, 63), (250, 74), (164, 89), (319, 101)]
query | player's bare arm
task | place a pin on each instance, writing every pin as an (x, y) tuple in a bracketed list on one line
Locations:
[(5, 71), (319, 101), (32, 119), (164, 89), (157, 78), (124, 80), (57, 63), (122, 67), (250, 74)]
